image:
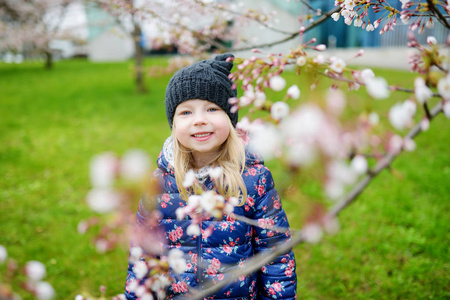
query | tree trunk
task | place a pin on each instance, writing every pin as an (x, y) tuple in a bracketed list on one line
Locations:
[(48, 60), (139, 56)]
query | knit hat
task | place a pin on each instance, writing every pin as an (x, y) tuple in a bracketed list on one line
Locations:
[(205, 80)]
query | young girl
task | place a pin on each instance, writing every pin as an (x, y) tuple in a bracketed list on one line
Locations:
[(203, 138)]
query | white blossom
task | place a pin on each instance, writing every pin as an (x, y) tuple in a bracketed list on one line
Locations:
[(374, 119), (44, 291), (443, 87), (431, 40), (331, 225), (102, 200), (446, 109), (377, 87), (409, 144), (312, 233), (277, 83), (3, 254), (319, 59), (366, 75), (103, 169), (134, 164), (395, 144), (260, 99), (335, 16), (348, 21), (35, 270), (405, 19), (301, 60), (121, 297), (208, 201), (301, 153), (337, 64), (294, 92), (429, 24), (193, 229), (181, 212), (176, 261), (349, 4), (189, 178), (424, 124), (140, 269), (358, 22), (260, 135), (135, 254), (79, 297), (359, 164), (335, 101), (194, 200), (401, 114), (334, 189), (215, 173), (340, 171), (279, 110), (370, 27), (422, 92)]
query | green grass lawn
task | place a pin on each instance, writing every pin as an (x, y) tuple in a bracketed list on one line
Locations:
[(393, 243)]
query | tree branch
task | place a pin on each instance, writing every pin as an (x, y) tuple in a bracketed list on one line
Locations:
[(259, 260)]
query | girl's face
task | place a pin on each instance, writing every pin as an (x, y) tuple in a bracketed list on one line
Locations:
[(202, 127)]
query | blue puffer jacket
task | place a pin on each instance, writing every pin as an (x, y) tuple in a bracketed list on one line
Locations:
[(232, 242)]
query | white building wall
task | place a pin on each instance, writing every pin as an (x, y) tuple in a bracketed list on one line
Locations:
[(112, 45), (286, 22)]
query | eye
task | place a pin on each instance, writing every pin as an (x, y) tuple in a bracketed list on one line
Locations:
[(213, 109), (185, 113)]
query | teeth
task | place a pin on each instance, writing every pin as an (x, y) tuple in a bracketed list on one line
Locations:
[(202, 135)]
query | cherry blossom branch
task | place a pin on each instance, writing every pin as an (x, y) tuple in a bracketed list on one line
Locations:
[(383, 164), (255, 223), (438, 14), (298, 237)]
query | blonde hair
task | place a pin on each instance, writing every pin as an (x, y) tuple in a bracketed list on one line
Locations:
[(231, 158)]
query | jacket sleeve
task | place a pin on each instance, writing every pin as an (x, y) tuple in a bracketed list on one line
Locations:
[(276, 280)]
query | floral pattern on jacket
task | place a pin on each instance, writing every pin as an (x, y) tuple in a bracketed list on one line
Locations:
[(232, 242)]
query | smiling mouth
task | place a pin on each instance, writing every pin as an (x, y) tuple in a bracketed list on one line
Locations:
[(200, 135)]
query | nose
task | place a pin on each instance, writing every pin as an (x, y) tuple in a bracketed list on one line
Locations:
[(200, 119)]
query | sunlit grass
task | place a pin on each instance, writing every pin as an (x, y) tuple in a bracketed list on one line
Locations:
[(393, 242)]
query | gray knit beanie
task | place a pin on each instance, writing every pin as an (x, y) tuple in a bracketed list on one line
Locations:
[(205, 80)]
